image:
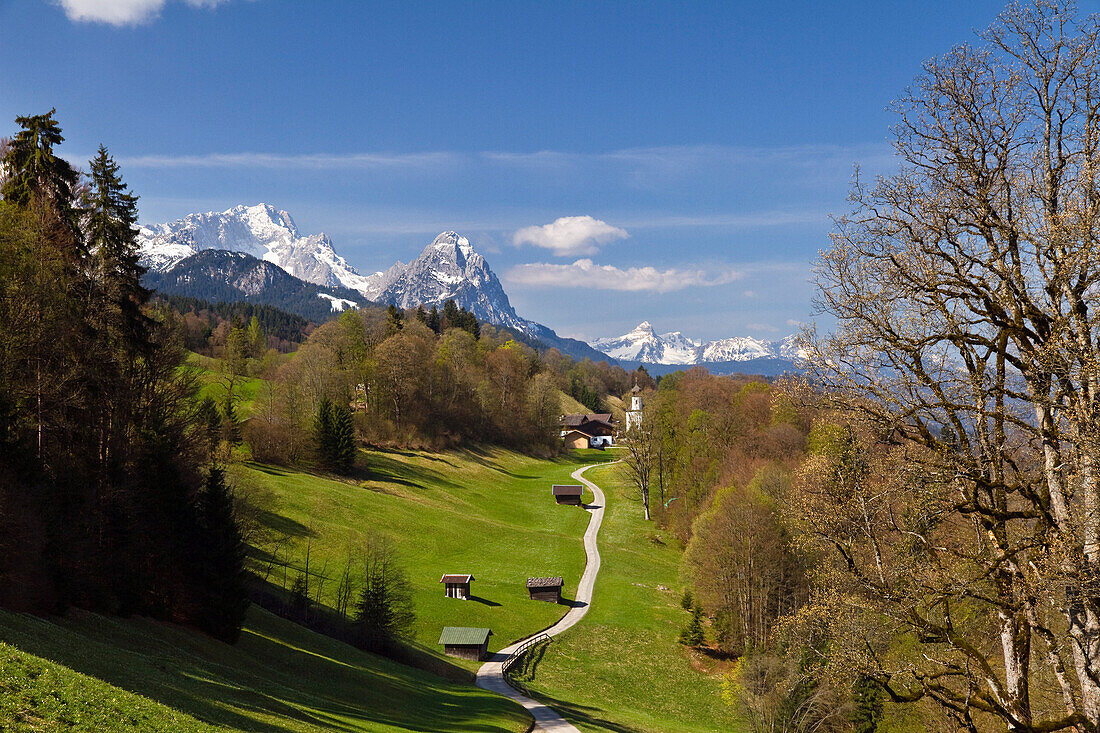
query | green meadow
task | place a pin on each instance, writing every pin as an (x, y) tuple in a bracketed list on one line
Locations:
[(95, 674), (486, 512), (621, 669)]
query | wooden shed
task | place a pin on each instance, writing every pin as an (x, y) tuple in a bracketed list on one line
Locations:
[(545, 589), (465, 642), (456, 586), (576, 440), (567, 493)]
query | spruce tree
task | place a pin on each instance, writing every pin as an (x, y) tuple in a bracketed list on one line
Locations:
[(343, 440), (222, 583), (395, 319), (112, 240), (324, 433), (693, 634), (433, 319), (34, 171), (231, 423)]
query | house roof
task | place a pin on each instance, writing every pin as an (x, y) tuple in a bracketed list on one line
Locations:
[(463, 636), (567, 489), (575, 421), (555, 582), (455, 578)]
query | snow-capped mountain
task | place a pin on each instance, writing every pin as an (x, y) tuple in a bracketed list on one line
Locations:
[(447, 269), (261, 231), (645, 345)]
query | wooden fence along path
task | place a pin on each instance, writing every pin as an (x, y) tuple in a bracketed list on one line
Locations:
[(491, 675)]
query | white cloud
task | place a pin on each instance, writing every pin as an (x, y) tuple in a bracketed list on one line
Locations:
[(586, 274), (570, 235), (318, 161), (121, 12)]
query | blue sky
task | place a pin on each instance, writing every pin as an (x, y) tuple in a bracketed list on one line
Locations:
[(694, 150)]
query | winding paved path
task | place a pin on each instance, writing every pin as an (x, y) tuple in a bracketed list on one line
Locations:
[(490, 676)]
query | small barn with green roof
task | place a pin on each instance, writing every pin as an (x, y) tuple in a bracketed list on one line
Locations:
[(465, 642)]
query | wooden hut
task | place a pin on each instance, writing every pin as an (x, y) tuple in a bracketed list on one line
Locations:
[(545, 589), (567, 493), (576, 440), (465, 642), (456, 586)]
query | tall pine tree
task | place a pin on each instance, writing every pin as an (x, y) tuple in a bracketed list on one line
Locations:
[(34, 172)]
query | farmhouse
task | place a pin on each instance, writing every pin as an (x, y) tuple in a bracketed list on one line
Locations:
[(567, 493), (545, 589), (456, 586), (591, 430), (465, 642)]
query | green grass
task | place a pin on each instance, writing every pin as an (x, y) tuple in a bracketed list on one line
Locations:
[(91, 673), (621, 669), (213, 383), (489, 513)]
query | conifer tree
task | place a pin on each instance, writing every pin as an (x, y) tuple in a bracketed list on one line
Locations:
[(343, 439), (394, 319), (433, 319), (112, 240), (693, 634), (231, 422), (222, 583), (324, 432), (32, 170)]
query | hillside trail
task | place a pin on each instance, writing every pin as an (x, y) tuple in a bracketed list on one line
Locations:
[(491, 677)]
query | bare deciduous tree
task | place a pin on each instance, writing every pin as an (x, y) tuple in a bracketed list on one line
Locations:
[(965, 291), (641, 443)]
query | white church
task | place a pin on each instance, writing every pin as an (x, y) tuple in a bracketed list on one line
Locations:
[(634, 414)]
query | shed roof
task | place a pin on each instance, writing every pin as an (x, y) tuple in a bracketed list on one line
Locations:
[(555, 582), (455, 578), (463, 636), (567, 489)]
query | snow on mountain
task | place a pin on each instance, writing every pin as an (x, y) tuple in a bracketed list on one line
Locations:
[(645, 345), (448, 269), (338, 304), (738, 348), (260, 231)]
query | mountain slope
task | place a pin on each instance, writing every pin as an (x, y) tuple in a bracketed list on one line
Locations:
[(218, 275)]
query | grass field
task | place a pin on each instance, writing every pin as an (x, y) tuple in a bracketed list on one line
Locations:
[(96, 674), (489, 513), (621, 669)]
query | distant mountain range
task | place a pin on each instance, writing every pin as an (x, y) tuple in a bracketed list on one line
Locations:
[(673, 350), (447, 269)]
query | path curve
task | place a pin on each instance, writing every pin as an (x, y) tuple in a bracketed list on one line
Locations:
[(491, 677)]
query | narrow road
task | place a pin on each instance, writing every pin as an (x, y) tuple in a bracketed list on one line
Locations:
[(490, 676)]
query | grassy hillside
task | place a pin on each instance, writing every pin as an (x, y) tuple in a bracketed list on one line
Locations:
[(621, 669), (91, 673), (213, 383), (570, 406), (489, 513)]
